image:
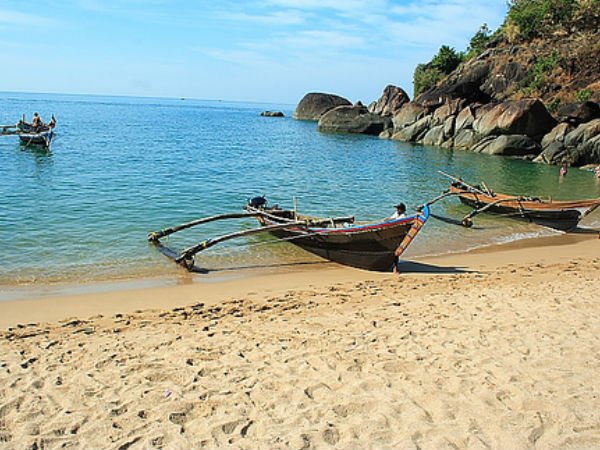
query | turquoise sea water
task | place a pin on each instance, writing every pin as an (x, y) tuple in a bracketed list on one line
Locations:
[(121, 167)]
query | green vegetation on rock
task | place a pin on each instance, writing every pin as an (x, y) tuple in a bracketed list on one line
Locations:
[(427, 75)]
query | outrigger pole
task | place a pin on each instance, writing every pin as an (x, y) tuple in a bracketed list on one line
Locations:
[(185, 257)]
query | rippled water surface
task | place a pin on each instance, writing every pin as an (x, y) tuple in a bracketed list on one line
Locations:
[(121, 167)]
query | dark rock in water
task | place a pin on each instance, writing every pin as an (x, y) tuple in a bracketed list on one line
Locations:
[(578, 113), (315, 104), (508, 145), (353, 119), (390, 101), (272, 114), (528, 117)]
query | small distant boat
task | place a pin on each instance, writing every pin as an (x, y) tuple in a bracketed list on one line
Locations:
[(40, 135), (370, 246), (557, 214)]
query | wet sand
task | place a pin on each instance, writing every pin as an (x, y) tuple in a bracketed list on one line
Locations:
[(498, 348)]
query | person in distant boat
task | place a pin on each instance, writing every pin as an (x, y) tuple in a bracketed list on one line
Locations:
[(564, 169), (400, 212), (36, 122)]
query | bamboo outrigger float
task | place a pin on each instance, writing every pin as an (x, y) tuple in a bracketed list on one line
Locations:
[(373, 246), (557, 214)]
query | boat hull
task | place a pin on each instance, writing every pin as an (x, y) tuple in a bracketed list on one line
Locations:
[(369, 247), (44, 138)]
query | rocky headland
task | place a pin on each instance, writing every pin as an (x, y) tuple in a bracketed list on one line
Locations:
[(534, 98)]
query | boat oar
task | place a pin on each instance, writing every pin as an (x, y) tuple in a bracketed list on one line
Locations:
[(185, 258)]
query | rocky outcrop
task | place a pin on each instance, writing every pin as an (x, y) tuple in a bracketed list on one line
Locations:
[(390, 101), (557, 69), (514, 128), (313, 105), (577, 146), (353, 119)]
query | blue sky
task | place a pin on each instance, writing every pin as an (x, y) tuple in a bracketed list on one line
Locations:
[(267, 51)]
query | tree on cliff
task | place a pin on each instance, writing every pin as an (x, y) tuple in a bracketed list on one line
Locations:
[(427, 75)]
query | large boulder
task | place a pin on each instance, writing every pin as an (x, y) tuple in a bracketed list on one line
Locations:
[(414, 132), (408, 115), (508, 145), (527, 117), (390, 101), (465, 139), (558, 133), (578, 113), (435, 136), (353, 119), (313, 105)]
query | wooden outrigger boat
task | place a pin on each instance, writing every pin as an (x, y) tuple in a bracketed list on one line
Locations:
[(29, 134), (557, 214), (373, 246)]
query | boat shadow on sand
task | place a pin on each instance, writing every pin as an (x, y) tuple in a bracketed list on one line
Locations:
[(403, 267), (416, 267)]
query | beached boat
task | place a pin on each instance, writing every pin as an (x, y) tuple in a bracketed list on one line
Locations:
[(560, 215), (370, 246)]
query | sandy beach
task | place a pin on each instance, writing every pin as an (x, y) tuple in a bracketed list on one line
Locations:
[(493, 349)]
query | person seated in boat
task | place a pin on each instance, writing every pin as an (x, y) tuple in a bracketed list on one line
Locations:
[(400, 212), (36, 122)]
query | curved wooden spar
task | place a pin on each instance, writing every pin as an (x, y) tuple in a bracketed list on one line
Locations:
[(156, 235), (468, 186), (188, 253)]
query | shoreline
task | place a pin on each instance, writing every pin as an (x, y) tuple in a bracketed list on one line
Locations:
[(51, 303)]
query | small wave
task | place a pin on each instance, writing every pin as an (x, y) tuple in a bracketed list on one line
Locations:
[(542, 232)]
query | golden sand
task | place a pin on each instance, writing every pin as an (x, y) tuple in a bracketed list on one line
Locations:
[(497, 349)]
